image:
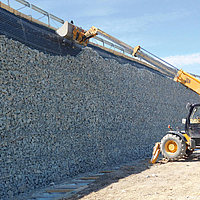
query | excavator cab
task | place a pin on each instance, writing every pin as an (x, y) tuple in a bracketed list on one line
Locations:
[(192, 125)]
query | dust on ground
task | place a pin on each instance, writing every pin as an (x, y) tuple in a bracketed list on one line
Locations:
[(163, 180)]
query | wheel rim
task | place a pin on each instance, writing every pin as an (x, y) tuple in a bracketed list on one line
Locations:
[(171, 146)]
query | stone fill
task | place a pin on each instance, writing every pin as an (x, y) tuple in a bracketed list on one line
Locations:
[(64, 115)]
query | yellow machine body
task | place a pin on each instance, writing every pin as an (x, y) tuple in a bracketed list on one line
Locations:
[(188, 80)]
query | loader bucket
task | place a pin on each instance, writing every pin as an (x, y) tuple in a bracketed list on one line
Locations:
[(66, 30), (77, 34), (156, 153)]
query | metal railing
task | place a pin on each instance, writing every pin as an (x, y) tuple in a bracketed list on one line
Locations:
[(103, 39), (39, 10), (111, 45)]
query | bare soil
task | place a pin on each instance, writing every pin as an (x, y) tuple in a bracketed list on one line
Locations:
[(142, 180)]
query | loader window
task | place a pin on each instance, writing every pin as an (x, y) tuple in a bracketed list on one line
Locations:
[(195, 116)]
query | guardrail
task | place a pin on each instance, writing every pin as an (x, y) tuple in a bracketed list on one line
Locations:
[(103, 40), (110, 44), (39, 10)]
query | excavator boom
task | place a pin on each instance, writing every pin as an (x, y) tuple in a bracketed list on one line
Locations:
[(188, 80), (151, 59), (180, 76)]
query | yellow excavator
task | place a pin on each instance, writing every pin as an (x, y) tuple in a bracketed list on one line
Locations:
[(177, 144)]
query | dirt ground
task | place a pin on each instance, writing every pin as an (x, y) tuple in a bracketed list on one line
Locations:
[(163, 180)]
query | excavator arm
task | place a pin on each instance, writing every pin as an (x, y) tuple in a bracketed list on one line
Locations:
[(188, 80), (180, 76)]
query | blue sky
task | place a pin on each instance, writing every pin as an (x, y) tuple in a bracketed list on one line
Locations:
[(167, 28)]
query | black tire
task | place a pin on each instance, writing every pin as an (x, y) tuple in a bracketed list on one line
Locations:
[(189, 152), (172, 147)]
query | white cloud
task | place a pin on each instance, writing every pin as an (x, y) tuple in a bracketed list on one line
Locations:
[(181, 60), (189, 63)]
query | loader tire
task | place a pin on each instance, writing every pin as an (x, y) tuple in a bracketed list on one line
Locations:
[(189, 152), (172, 147)]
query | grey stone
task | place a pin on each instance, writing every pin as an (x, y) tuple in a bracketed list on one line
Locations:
[(64, 115), (10, 194)]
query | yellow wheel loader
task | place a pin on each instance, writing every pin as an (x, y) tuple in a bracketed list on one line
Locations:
[(176, 144)]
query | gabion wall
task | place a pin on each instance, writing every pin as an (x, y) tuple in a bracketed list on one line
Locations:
[(61, 116)]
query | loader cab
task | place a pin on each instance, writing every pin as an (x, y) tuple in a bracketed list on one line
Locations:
[(192, 126)]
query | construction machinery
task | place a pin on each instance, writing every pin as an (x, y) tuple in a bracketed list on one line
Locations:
[(177, 144), (76, 34)]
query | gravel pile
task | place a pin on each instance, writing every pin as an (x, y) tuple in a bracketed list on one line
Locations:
[(61, 116)]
